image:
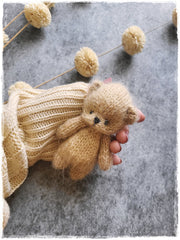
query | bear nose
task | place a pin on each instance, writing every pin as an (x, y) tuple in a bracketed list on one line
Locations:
[(96, 120)]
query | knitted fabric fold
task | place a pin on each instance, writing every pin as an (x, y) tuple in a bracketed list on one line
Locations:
[(30, 120), (14, 157)]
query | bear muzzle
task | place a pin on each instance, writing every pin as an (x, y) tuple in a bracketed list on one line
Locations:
[(96, 120)]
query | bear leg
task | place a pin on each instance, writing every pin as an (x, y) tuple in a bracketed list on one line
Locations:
[(80, 170), (60, 162)]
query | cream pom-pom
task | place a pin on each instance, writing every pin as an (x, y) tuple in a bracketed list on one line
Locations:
[(5, 38), (133, 40), (86, 62), (37, 14), (174, 17)]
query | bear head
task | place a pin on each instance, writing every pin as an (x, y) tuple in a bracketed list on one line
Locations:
[(108, 107)]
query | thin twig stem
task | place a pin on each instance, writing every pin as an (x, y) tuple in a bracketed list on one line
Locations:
[(27, 24), (13, 20)]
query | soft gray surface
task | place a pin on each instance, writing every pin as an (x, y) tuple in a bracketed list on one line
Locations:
[(138, 197)]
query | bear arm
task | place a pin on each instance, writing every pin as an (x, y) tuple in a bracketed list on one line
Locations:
[(70, 127), (105, 157)]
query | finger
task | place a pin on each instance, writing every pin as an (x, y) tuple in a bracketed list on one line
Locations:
[(126, 129), (116, 160), (122, 136), (141, 116), (115, 147)]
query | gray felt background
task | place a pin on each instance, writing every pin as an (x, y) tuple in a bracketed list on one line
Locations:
[(137, 198)]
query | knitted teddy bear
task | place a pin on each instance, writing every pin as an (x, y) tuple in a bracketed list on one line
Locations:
[(84, 117), (85, 139)]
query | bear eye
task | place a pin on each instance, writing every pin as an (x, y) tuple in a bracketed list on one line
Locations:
[(106, 122), (91, 112)]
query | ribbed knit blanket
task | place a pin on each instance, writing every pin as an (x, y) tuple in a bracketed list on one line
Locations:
[(30, 120)]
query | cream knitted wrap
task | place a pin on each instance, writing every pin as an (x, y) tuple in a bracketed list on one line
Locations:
[(30, 120)]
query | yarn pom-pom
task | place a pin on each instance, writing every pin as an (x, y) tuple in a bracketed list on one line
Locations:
[(49, 4), (133, 40), (5, 38), (37, 14), (174, 17), (86, 62)]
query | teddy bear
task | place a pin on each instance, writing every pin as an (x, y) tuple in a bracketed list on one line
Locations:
[(84, 140), (84, 115)]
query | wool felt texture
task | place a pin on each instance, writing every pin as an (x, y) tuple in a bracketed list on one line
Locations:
[(106, 109)]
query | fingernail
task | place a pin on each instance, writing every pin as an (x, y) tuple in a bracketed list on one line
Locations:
[(141, 117), (119, 161)]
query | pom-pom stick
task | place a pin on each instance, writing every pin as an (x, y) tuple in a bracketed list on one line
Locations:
[(37, 11), (49, 4), (25, 26), (13, 20), (174, 17), (100, 55)]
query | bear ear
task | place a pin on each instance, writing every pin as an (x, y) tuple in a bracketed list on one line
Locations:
[(95, 85), (131, 115)]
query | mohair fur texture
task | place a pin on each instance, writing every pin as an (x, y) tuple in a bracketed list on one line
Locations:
[(86, 62), (133, 40), (85, 139), (83, 116), (37, 14), (174, 17)]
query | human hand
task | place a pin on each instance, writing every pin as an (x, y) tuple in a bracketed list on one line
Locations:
[(121, 138)]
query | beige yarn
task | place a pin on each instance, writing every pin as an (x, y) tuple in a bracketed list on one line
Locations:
[(30, 120), (5, 38), (39, 117), (37, 14), (14, 157), (86, 62), (6, 213), (133, 40), (174, 17), (32, 117), (107, 108)]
